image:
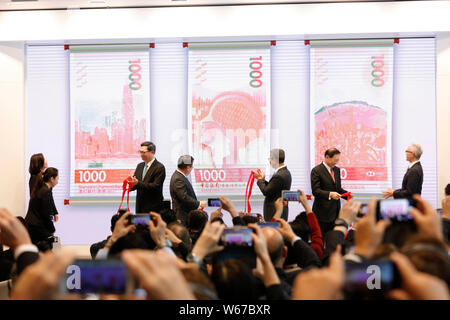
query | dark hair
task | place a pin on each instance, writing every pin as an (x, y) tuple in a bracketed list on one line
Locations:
[(332, 152), (181, 232), (36, 163), (116, 218), (447, 190), (300, 226), (150, 146), (277, 155), (43, 178), (234, 280), (250, 219), (185, 161), (428, 255), (168, 215), (195, 223), (140, 239), (219, 219)]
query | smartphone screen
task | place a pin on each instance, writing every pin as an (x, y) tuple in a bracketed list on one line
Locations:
[(140, 219), (363, 210), (370, 277), (237, 237), (290, 195), (96, 276), (214, 202), (394, 209), (269, 224)]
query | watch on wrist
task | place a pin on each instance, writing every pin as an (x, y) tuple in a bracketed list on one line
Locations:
[(167, 243), (193, 258), (340, 223)]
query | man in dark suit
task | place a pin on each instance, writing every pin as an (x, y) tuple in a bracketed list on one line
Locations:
[(183, 196), (148, 180), (281, 180), (327, 190), (413, 178)]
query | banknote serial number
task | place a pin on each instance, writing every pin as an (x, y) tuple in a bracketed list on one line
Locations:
[(255, 72), (135, 75)]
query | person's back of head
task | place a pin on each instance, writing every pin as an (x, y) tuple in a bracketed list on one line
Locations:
[(37, 162), (447, 190), (196, 220), (168, 215), (300, 226), (233, 280), (275, 246), (181, 232), (399, 233), (428, 255), (140, 239), (249, 219)]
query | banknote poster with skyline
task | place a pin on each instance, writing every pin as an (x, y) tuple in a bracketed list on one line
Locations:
[(229, 116), (110, 106), (351, 109)]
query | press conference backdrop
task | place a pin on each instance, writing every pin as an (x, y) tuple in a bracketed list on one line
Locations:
[(48, 119)]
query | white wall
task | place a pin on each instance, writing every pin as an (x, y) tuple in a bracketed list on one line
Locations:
[(443, 112), (341, 20), (12, 127)]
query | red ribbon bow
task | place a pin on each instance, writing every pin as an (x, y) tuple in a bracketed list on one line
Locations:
[(126, 187)]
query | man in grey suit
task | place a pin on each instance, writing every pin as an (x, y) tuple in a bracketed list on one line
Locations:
[(183, 196), (281, 180)]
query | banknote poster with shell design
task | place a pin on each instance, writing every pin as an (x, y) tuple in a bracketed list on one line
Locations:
[(229, 115), (351, 109)]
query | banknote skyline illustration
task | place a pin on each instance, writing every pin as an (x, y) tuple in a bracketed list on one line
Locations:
[(117, 136)]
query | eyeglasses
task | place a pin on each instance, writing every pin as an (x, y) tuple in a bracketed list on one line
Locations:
[(408, 151), (143, 152)]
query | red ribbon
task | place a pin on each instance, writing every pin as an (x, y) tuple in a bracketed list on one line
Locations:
[(348, 195), (248, 192), (126, 187)]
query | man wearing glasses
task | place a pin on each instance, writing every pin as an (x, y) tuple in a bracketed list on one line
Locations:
[(413, 179), (148, 180)]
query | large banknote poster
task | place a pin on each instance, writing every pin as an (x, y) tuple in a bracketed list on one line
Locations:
[(351, 109), (110, 106), (229, 115)]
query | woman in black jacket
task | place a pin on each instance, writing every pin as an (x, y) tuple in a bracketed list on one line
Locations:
[(41, 209), (38, 164)]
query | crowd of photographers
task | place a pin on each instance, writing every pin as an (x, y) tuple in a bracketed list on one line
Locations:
[(281, 261)]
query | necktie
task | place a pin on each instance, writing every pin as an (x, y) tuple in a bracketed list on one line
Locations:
[(145, 171), (332, 175)]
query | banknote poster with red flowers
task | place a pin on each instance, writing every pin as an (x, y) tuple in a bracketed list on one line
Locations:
[(351, 109), (110, 112), (229, 115)]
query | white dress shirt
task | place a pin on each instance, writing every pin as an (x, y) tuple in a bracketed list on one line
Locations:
[(148, 165), (412, 163)]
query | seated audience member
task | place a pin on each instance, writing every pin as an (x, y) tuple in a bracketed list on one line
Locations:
[(195, 222), (100, 245)]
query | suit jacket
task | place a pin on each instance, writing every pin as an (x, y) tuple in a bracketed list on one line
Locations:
[(39, 216), (149, 195), (183, 196), (322, 184), (412, 182), (281, 180)]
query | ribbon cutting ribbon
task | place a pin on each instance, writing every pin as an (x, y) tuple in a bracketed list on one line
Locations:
[(126, 187), (347, 194), (248, 192)]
